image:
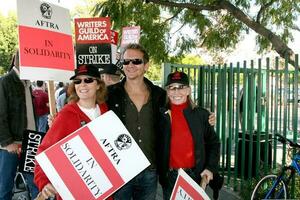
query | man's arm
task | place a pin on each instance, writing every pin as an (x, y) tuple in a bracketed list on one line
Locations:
[(5, 135)]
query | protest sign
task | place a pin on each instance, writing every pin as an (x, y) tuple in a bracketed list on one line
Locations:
[(130, 34), (114, 37), (186, 188), (114, 46), (94, 161), (95, 54), (93, 41), (45, 40), (92, 30), (30, 143)]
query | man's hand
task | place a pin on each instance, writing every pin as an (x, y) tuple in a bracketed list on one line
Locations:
[(13, 148), (206, 176), (50, 119), (212, 119)]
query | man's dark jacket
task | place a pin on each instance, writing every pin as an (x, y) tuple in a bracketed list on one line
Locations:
[(13, 119), (206, 142), (117, 101)]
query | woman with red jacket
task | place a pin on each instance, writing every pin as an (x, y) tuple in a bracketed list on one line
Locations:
[(187, 139), (86, 102)]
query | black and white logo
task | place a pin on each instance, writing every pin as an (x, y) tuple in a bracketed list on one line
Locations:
[(123, 142), (46, 10)]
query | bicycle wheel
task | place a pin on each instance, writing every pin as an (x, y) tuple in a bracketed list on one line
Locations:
[(266, 187)]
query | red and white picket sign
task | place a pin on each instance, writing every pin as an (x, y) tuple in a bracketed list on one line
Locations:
[(130, 34), (45, 40), (94, 161), (92, 30), (186, 188)]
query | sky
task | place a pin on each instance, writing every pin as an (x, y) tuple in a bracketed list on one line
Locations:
[(245, 49), (7, 5)]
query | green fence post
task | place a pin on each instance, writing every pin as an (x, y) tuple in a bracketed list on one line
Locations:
[(166, 70), (285, 98), (237, 117), (251, 113), (244, 118), (267, 99), (213, 87), (201, 86), (259, 117), (230, 121)]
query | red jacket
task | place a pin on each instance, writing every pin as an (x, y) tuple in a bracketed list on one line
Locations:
[(68, 120), (40, 102)]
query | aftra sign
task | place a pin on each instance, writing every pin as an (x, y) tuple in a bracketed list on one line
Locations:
[(186, 188), (45, 40), (94, 161)]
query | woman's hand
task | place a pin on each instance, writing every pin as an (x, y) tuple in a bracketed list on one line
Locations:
[(206, 176), (48, 191)]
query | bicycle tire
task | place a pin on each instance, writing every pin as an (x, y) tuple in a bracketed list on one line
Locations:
[(264, 185)]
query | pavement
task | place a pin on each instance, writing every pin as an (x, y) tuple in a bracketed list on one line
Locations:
[(225, 194)]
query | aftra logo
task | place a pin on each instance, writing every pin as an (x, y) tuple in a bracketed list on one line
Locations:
[(123, 142), (46, 10)]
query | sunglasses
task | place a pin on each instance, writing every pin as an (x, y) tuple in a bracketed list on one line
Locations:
[(136, 61), (177, 87), (86, 80)]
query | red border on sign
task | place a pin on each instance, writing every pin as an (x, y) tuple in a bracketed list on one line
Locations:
[(69, 175), (187, 188), (45, 49)]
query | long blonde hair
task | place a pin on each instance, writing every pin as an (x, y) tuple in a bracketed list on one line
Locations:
[(100, 93)]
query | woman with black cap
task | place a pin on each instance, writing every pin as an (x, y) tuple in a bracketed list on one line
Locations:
[(86, 102), (187, 139)]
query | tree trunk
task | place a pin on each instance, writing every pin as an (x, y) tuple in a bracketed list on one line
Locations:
[(280, 46)]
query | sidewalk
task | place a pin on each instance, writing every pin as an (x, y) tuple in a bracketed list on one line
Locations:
[(225, 194)]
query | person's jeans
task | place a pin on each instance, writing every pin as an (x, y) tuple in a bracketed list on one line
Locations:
[(34, 191), (171, 179), (8, 168), (42, 122), (141, 187)]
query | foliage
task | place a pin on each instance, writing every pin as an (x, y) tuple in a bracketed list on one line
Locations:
[(135, 12), (247, 188), (8, 40), (192, 60), (154, 72), (84, 11), (211, 24)]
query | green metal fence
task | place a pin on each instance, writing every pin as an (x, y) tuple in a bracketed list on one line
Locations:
[(252, 101)]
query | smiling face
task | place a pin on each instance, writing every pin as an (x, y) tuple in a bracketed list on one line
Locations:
[(86, 87), (178, 93), (134, 69)]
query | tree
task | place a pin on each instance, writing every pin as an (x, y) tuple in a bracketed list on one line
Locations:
[(8, 40), (214, 24), (135, 12)]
